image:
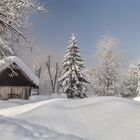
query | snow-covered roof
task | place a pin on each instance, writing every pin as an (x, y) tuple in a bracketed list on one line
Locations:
[(4, 63)]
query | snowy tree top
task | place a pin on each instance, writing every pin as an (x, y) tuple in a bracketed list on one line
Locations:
[(73, 37)]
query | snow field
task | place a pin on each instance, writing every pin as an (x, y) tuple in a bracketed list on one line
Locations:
[(99, 118), (95, 118), (12, 129)]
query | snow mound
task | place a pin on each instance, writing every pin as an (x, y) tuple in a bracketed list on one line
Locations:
[(20, 109), (12, 129), (56, 95), (136, 99), (39, 97), (45, 97), (19, 101), (96, 118)]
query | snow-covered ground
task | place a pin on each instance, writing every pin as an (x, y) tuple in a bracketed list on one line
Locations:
[(137, 98), (96, 118), (13, 129), (6, 104)]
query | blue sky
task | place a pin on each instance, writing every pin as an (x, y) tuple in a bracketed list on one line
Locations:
[(89, 19)]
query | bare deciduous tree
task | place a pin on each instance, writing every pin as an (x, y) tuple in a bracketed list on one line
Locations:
[(53, 75)]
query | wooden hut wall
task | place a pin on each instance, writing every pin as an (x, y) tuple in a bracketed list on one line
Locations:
[(16, 92)]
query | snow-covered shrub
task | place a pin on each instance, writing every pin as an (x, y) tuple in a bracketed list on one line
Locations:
[(129, 87), (130, 82)]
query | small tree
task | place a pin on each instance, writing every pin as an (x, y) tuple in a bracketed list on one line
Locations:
[(73, 81)]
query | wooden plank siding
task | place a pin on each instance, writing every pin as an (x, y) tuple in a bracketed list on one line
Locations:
[(16, 92)]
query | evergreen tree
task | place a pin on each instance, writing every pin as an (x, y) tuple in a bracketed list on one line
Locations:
[(73, 81)]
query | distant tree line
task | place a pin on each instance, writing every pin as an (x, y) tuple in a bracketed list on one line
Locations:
[(108, 78)]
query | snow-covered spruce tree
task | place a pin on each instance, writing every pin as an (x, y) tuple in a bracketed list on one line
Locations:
[(73, 81), (107, 72)]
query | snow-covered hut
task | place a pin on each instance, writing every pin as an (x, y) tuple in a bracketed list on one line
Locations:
[(16, 79)]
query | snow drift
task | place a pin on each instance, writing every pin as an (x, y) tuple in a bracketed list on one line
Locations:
[(97, 118), (137, 98)]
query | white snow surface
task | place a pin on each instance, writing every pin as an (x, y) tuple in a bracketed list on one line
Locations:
[(137, 98), (13, 129), (45, 97), (20, 109), (7, 104), (14, 59), (95, 118)]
